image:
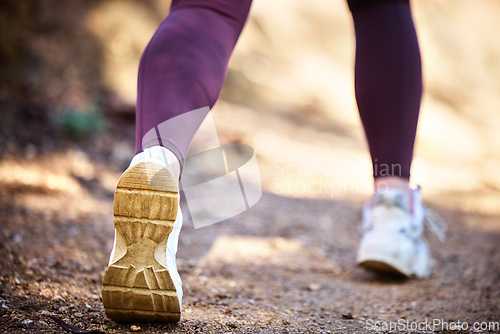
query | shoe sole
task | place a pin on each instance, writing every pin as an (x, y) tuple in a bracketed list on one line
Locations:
[(383, 266), (138, 286), (381, 254)]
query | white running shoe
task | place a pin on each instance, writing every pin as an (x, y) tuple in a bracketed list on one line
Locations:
[(393, 239), (142, 282)]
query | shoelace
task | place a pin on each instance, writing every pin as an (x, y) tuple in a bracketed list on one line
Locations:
[(435, 223)]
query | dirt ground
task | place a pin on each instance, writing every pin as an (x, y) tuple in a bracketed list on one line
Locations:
[(284, 266)]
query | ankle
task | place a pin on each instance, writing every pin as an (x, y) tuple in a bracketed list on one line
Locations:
[(384, 183), (174, 163)]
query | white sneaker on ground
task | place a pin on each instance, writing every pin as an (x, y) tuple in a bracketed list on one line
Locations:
[(142, 282), (393, 239)]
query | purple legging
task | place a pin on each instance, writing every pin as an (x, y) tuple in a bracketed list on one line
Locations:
[(388, 82), (184, 66)]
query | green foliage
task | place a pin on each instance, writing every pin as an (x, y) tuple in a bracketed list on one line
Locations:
[(80, 124)]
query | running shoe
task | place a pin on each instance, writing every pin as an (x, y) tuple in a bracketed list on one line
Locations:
[(141, 282), (393, 240)]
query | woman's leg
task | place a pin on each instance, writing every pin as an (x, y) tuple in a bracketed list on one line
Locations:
[(388, 87), (388, 84), (183, 69)]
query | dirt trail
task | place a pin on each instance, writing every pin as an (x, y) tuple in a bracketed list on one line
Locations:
[(286, 265)]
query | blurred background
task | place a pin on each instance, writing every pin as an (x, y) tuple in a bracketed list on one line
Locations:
[(69, 72), (67, 99)]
